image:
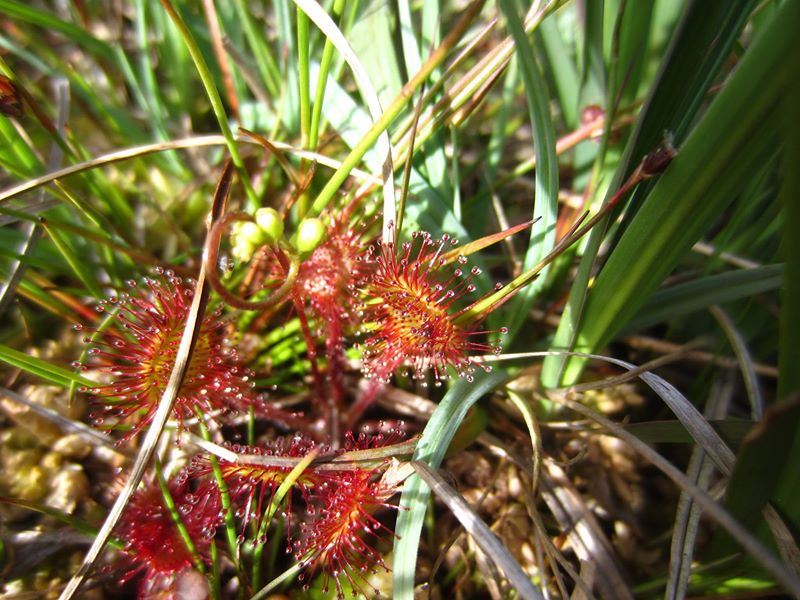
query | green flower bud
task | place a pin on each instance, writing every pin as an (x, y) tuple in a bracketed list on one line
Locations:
[(270, 223), (309, 235), (250, 232), (243, 250)]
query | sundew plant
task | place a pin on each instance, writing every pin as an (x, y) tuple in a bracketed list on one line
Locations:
[(401, 300)]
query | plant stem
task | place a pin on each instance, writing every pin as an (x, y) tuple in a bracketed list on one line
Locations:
[(224, 494), (304, 78), (322, 80)]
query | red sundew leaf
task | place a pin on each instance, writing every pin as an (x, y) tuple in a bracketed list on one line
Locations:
[(253, 486), (415, 312), (340, 532), (138, 353), (152, 539)]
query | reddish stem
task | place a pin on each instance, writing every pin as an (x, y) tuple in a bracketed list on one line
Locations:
[(211, 259)]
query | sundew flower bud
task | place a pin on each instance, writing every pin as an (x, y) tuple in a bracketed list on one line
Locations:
[(309, 235), (138, 353), (413, 300), (271, 224)]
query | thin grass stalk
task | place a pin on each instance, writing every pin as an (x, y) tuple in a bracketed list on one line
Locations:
[(78, 264), (17, 268), (150, 441), (266, 64), (322, 79), (789, 353), (687, 519), (747, 369), (401, 211), (224, 495), (215, 33), (155, 104), (304, 78), (321, 19), (216, 590), (283, 489), (288, 574), (216, 102), (431, 448), (174, 514)]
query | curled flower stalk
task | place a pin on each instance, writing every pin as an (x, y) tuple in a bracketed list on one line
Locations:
[(137, 352), (211, 259)]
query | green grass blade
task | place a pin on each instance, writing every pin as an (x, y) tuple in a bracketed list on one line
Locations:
[(216, 101), (302, 68), (593, 71), (545, 208), (154, 102), (563, 70), (41, 368), (736, 136), (48, 21), (789, 357), (322, 80), (72, 256), (431, 449), (707, 30), (629, 54), (704, 292), (265, 62)]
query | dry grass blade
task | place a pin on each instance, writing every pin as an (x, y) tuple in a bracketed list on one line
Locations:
[(480, 532), (745, 362), (691, 418), (148, 448), (583, 530), (144, 149), (687, 518), (684, 533), (753, 546)]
